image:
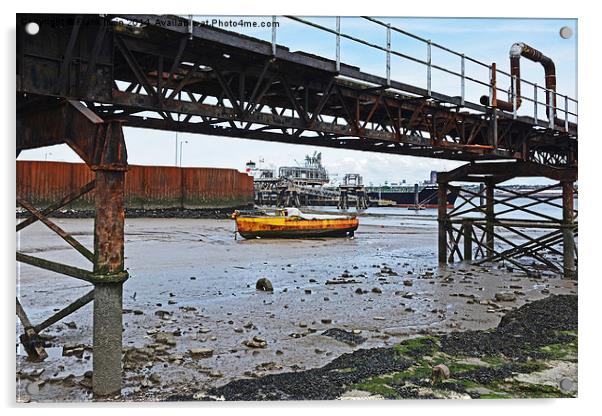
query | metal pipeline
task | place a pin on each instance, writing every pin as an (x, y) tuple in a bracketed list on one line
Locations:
[(522, 49)]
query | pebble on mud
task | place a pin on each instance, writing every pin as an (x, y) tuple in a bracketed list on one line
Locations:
[(264, 285), (505, 297), (256, 342), (200, 352)]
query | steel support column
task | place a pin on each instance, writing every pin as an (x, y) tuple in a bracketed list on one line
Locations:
[(489, 216), (568, 238), (468, 230), (108, 260), (442, 220)]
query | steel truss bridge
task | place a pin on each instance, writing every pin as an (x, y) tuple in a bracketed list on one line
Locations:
[(80, 78)]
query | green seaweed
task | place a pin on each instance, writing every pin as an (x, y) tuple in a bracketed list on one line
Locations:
[(377, 385), (418, 346)]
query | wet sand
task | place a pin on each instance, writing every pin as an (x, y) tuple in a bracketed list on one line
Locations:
[(191, 278)]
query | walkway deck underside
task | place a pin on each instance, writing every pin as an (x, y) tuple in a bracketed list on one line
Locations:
[(221, 83)]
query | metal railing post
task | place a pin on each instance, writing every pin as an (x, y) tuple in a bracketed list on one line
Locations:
[(190, 26), (338, 52), (428, 67), (514, 96), (550, 109), (566, 112), (535, 102), (463, 80), (388, 54), (274, 35), (491, 72)]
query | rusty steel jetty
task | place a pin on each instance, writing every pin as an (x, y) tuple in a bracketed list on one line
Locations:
[(81, 78)]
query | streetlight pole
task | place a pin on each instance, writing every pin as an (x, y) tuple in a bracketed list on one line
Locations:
[(181, 143), (176, 162)]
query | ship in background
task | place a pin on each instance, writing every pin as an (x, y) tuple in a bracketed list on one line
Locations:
[(310, 184), (418, 196)]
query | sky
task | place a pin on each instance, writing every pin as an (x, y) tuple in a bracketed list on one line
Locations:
[(487, 40)]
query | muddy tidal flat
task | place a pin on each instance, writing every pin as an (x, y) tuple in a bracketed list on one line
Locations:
[(371, 317)]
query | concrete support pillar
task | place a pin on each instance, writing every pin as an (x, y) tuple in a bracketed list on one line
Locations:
[(442, 220), (108, 262), (568, 238), (467, 227), (489, 217)]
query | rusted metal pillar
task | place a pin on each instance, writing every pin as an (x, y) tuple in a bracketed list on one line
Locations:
[(442, 220), (467, 228), (568, 239), (109, 263), (108, 260), (489, 216)]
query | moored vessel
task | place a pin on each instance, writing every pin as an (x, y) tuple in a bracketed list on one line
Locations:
[(292, 223)]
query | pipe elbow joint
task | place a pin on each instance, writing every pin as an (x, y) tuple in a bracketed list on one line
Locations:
[(516, 49)]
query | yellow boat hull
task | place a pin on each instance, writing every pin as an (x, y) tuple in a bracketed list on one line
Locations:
[(294, 227)]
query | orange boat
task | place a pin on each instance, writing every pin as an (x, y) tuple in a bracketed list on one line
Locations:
[(292, 223)]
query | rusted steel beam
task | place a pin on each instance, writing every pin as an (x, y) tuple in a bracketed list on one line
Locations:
[(66, 311), (442, 220), (53, 207), (468, 232), (517, 168), (56, 267), (136, 69), (65, 65), (528, 248), (58, 230)]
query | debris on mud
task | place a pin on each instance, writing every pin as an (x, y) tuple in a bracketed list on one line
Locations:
[(348, 337), (497, 363)]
